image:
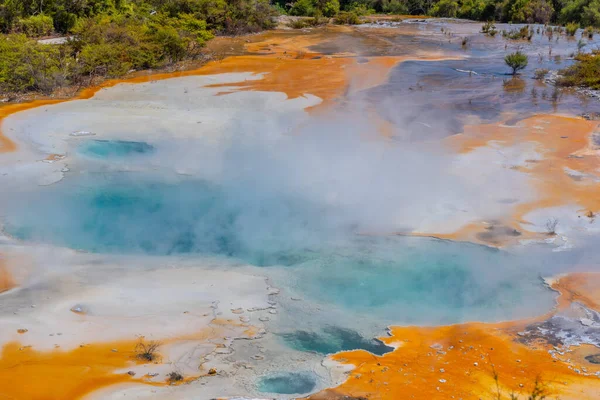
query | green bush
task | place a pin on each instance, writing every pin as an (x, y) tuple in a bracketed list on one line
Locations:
[(28, 65), (331, 8), (518, 34), (445, 8), (35, 26), (585, 72), (346, 18), (589, 32), (397, 7), (571, 28), (540, 73), (591, 14), (517, 61), (64, 21), (306, 8)]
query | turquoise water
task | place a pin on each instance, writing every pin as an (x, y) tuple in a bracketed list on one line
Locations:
[(288, 383), (333, 339), (401, 279), (114, 148)]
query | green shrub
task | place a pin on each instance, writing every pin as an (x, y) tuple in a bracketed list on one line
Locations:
[(585, 72), (518, 34), (331, 8), (27, 65), (64, 21), (540, 73), (517, 61), (397, 7), (589, 32), (306, 8), (445, 8), (35, 26), (571, 28), (346, 18), (488, 28)]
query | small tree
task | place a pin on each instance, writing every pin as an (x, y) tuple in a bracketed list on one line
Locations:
[(517, 61)]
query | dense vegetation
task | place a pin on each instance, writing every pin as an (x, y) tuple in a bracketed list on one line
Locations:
[(108, 38), (111, 37), (584, 73)]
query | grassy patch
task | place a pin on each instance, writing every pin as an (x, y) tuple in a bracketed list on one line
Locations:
[(584, 73)]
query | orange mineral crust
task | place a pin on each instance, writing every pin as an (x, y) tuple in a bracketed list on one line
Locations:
[(460, 361), (6, 280), (26, 373), (286, 61), (568, 167), (565, 173)]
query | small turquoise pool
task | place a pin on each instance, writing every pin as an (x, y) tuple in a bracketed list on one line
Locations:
[(114, 148), (288, 383)]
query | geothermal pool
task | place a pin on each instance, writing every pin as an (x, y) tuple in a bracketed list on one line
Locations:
[(261, 221)]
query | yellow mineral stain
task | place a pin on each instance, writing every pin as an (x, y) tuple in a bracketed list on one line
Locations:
[(459, 361)]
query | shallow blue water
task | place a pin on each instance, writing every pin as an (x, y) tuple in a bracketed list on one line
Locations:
[(407, 280), (114, 148), (288, 383)]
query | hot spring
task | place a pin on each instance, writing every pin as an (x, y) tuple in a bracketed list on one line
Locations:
[(309, 248)]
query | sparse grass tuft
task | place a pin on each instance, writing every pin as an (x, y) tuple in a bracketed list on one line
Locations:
[(174, 376), (540, 73), (519, 34), (489, 29), (147, 351)]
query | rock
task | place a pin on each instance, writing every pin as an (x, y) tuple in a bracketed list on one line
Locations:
[(22, 330), (245, 319), (237, 310), (212, 371), (272, 311), (263, 319), (79, 309), (130, 373)]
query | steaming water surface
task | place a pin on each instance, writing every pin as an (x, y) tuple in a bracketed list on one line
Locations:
[(313, 211), (324, 258)]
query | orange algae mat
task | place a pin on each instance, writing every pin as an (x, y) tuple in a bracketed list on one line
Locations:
[(459, 361), (26, 373)]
